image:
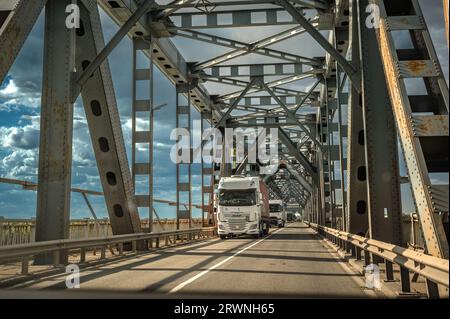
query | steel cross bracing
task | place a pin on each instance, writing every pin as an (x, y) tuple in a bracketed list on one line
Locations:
[(262, 84)]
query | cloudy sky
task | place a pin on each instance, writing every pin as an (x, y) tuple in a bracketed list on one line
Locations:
[(20, 97)]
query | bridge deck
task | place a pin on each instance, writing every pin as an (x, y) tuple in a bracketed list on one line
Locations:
[(291, 262)]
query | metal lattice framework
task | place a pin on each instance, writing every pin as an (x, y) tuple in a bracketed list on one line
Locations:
[(338, 115)]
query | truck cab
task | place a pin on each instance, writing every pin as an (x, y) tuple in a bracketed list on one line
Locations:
[(277, 213), (242, 207)]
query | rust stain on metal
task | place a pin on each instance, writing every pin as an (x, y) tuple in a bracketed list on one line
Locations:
[(416, 66)]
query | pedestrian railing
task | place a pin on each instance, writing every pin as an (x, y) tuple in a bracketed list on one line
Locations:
[(133, 242), (434, 270)]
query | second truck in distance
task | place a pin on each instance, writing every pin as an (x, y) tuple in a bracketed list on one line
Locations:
[(277, 213)]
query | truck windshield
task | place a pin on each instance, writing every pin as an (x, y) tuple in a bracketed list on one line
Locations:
[(275, 208), (237, 197)]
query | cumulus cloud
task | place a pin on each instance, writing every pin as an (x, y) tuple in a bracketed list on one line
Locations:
[(10, 88), (26, 137), (20, 163)]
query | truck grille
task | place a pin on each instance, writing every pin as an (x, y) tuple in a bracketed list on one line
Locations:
[(237, 223)]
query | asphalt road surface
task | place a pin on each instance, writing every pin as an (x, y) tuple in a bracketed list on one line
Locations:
[(290, 263)]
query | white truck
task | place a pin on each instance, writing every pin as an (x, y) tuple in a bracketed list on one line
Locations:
[(278, 214), (242, 207)]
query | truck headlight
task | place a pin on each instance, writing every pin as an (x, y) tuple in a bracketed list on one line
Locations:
[(254, 226), (222, 226)]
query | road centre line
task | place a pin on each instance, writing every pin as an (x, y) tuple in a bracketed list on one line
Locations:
[(191, 280)]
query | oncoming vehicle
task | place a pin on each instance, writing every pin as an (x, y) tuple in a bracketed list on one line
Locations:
[(243, 207), (277, 213)]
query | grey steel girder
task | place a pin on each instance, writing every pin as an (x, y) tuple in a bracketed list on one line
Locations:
[(309, 4), (258, 47), (321, 5), (382, 168), (246, 70), (14, 29), (140, 11), (165, 55), (424, 140), (55, 146), (351, 71), (357, 221), (284, 138), (143, 108), (272, 85), (243, 48), (105, 127), (237, 18)]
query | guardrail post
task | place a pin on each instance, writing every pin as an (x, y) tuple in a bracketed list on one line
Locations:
[(166, 239), (133, 246), (103, 252), (82, 255), (25, 264), (432, 290), (405, 280), (120, 248), (366, 258), (56, 259), (157, 242), (357, 253), (389, 270), (150, 243)]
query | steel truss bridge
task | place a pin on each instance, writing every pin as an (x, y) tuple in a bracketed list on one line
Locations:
[(340, 117)]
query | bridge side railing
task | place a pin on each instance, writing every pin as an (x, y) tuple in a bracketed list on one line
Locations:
[(26, 252), (432, 268)]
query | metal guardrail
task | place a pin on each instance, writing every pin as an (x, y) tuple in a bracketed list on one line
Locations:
[(432, 268), (56, 247)]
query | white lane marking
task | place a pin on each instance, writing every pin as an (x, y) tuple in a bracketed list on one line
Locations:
[(191, 280)]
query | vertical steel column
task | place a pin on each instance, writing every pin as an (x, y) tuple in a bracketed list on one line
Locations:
[(320, 191), (381, 169), (183, 120), (446, 8), (207, 178), (329, 145), (143, 106), (358, 220), (341, 147), (55, 149)]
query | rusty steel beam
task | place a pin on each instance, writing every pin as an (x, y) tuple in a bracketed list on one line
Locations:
[(427, 199), (16, 21)]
